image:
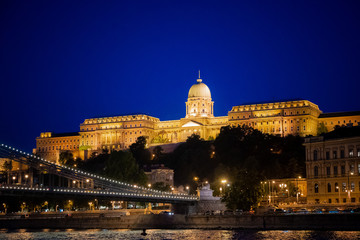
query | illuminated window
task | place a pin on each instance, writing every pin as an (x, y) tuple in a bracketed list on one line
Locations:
[(336, 187), (334, 154)]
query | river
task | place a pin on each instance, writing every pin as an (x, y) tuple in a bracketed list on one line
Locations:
[(70, 234)]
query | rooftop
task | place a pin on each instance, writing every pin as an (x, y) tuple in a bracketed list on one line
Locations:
[(339, 114)]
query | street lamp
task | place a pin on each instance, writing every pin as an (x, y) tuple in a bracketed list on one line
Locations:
[(337, 187), (26, 178), (13, 179), (149, 185)]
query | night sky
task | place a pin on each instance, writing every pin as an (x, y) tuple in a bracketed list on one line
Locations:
[(64, 61)]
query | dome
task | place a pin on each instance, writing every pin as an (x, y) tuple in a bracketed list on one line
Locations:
[(199, 90)]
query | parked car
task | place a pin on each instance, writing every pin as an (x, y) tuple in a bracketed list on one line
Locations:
[(228, 212), (166, 213), (336, 210), (348, 210), (356, 210), (279, 211), (317, 211), (238, 212), (302, 211)]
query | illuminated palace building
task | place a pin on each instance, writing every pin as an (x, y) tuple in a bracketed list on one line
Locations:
[(300, 117)]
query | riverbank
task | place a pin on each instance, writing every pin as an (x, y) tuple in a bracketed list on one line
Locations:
[(163, 221)]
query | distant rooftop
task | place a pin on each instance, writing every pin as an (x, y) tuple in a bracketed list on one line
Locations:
[(272, 101), (339, 114), (119, 115)]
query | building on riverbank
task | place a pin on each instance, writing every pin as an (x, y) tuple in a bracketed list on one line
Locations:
[(297, 117), (333, 167)]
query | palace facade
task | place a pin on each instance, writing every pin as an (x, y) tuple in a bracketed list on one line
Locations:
[(298, 117)]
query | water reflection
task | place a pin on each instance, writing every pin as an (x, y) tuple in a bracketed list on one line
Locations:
[(154, 234)]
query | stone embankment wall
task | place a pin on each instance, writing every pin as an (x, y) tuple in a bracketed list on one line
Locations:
[(286, 222)]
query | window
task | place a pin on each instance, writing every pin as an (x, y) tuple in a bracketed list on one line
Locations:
[(351, 153), (304, 128), (334, 154), (328, 171), (316, 171), (336, 171), (298, 128), (329, 187), (343, 170), (358, 167), (327, 155), (342, 153), (316, 188), (358, 152), (352, 168), (344, 200), (315, 155), (329, 201), (353, 186), (336, 187), (343, 187), (352, 199)]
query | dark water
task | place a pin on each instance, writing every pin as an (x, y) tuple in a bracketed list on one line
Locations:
[(70, 234)]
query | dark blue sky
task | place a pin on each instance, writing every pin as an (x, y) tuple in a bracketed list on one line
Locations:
[(64, 61)]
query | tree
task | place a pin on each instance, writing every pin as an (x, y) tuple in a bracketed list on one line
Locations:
[(158, 153), (122, 166), (192, 159), (139, 151), (321, 129), (245, 192), (67, 158), (161, 187), (7, 166)]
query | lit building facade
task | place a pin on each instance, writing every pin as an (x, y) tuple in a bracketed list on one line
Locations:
[(333, 168), (160, 174), (300, 117)]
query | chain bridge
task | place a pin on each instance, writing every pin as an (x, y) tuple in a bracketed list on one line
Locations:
[(44, 178)]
